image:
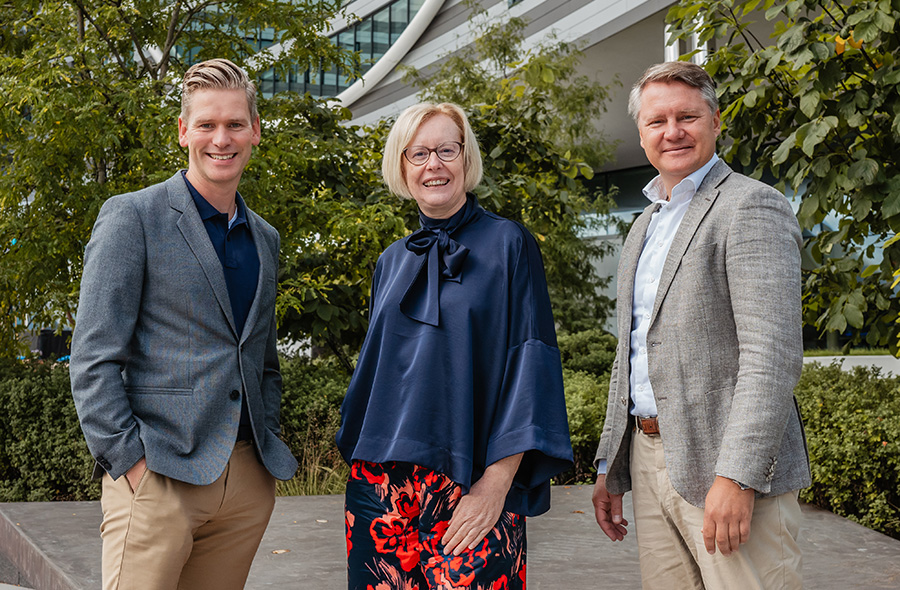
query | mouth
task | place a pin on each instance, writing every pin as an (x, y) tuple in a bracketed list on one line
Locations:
[(436, 182), (222, 156), (679, 148)]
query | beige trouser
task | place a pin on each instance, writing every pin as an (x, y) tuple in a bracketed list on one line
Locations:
[(171, 535), (670, 544)]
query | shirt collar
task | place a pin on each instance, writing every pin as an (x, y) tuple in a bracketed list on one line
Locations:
[(207, 211), (684, 190)]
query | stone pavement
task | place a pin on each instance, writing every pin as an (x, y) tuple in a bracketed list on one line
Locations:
[(56, 546)]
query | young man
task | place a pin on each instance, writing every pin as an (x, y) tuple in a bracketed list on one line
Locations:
[(174, 369), (702, 425)]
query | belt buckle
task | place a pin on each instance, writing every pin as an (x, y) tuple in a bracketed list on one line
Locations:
[(647, 425)]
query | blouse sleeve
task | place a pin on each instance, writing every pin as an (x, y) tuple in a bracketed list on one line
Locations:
[(530, 415)]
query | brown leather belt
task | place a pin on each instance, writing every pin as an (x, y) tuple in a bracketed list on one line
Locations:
[(649, 426)]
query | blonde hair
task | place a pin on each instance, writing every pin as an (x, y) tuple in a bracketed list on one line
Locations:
[(405, 128), (216, 74)]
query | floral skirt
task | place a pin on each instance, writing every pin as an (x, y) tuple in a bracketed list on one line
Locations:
[(395, 516)]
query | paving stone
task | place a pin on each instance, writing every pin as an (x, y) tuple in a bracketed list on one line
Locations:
[(57, 544)]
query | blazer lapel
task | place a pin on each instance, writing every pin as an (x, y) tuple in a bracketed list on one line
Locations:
[(266, 272), (700, 204), (628, 261), (191, 227)]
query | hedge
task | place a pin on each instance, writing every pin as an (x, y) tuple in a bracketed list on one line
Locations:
[(852, 425)]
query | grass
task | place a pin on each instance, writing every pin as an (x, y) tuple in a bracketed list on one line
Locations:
[(322, 470)]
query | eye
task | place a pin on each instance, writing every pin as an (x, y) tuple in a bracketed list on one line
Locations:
[(417, 153), (447, 150)]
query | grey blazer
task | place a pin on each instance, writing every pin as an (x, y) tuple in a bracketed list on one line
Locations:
[(725, 347), (157, 367)]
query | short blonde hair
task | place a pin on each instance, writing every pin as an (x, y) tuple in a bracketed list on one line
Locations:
[(216, 74), (393, 164)]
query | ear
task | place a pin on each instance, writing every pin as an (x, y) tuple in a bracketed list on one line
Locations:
[(182, 133), (257, 132), (717, 122)]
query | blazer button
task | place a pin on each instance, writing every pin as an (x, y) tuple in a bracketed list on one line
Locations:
[(235, 395)]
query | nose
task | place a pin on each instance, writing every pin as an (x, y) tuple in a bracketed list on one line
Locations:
[(433, 161), (673, 130), (221, 136)]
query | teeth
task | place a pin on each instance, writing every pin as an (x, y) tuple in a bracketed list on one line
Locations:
[(215, 157), (436, 182)]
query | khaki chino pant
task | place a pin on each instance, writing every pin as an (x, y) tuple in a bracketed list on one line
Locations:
[(170, 535), (670, 542)]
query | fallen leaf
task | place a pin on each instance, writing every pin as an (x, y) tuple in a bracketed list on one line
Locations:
[(280, 551)]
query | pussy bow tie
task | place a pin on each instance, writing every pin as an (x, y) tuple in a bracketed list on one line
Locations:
[(443, 259)]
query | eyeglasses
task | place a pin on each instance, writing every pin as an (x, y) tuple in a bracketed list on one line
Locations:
[(448, 151)]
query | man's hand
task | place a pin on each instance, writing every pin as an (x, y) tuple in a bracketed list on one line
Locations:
[(726, 518), (477, 512), (136, 472), (608, 510)]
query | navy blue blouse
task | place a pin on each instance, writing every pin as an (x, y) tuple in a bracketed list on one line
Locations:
[(460, 366)]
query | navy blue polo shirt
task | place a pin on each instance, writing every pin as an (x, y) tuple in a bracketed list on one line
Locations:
[(234, 245)]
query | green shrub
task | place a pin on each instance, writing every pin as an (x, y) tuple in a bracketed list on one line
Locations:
[(43, 455), (852, 423), (591, 351), (586, 407), (587, 359), (310, 417)]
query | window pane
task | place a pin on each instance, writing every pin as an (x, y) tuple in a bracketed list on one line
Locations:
[(364, 43), (399, 18)]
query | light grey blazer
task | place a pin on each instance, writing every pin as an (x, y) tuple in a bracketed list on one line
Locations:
[(724, 345), (157, 367)]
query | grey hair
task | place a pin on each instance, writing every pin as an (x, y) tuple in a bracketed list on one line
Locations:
[(674, 71)]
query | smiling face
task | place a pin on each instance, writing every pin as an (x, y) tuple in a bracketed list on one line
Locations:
[(437, 186), (678, 130), (219, 135)]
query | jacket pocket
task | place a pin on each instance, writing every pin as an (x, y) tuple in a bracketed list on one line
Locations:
[(144, 390)]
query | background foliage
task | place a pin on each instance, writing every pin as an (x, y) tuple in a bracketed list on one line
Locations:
[(87, 117), (817, 106), (853, 432)]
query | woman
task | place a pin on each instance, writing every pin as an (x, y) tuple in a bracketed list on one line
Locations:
[(455, 420)]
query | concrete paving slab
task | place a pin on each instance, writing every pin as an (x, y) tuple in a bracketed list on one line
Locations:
[(304, 547)]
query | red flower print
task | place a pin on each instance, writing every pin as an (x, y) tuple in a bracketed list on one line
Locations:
[(391, 536), (404, 501), (349, 519)]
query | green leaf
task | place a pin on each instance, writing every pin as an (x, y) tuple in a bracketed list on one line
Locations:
[(816, 132), (854, 316), (781, 153), (864, 170), (809, 102), (869, 270), (891, 205)]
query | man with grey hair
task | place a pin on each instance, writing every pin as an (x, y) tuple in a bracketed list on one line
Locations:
[(702, 425), (174, 368)]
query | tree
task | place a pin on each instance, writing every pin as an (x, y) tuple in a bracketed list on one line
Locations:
[(89, 107), (532, 115), (818, 108)]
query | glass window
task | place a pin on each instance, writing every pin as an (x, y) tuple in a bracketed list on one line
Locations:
[(364, 42), (399, 18), (381, 39)]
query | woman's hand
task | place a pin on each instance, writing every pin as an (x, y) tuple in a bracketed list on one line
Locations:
[(477, 512)]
